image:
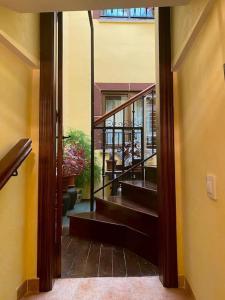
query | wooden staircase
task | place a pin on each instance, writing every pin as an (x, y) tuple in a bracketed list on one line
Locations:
[(129, 219), (128, 216)]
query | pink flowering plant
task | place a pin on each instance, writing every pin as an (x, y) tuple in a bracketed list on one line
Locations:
[(74, 161)]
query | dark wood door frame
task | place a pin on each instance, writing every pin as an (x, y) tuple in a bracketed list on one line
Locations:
[(166, 156), (166, 163), (59, 146), (49, 234)]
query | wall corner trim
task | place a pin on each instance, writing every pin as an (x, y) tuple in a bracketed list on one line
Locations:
[(28, 287), (192, 36), (19, 51), (184, 284)]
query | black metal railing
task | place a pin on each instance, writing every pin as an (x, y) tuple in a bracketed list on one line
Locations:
[(128, 135), (128, 174), (129, 13)]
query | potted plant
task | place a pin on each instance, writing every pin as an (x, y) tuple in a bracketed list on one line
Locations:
[(74, 163), (79, 138)]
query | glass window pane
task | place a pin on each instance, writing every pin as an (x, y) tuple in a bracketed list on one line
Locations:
[(111, 102)]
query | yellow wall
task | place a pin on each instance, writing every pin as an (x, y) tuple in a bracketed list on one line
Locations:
[(200, 147), (186, 16), (124, 53), (76, 71), (18, 203)]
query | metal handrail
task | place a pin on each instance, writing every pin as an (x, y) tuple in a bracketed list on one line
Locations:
[(127, 171)]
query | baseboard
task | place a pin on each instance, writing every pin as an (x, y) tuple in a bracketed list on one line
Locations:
[(181, 282), (28, 287), (22, 290), (184, 284)]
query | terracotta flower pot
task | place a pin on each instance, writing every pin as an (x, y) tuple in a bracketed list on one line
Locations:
[(68, 181)]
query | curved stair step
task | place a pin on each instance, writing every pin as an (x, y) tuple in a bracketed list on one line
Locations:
[(151, 173), (141, 192), (123, 201), (96, 226), (128, 213), (140, 185)]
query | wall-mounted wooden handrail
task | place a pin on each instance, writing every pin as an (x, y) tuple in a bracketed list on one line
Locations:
[(123, 105), (13, 159)]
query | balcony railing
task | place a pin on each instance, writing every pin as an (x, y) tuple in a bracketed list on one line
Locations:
[(130, 13), (127, 138)]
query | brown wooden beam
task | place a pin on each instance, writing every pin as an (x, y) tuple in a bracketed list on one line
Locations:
[(47, 148), (166, 160)]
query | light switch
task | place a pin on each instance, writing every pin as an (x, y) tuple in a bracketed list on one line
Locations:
[(211, 186)]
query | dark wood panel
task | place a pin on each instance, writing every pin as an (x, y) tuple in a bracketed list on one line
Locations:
[(65, 242), (132, 263), (92, 264), (59, 108), (137, 194), (166, 162), (127, 213), (83, 258), (47, 155), (119, 265), (81, 251), (146, 268), (106, 261), (95, 226), (69, 252)]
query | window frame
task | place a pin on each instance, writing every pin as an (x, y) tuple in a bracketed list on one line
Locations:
[(127, 15)]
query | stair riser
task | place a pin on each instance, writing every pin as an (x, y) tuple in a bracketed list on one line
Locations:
[(151, 174), (143, 197), (138, 220), (91, 229), (122, 236)]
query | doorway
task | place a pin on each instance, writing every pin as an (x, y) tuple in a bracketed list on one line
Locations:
[(49, 211), (86, 252)]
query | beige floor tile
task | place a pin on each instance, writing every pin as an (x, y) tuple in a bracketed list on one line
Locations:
[(131, 288)]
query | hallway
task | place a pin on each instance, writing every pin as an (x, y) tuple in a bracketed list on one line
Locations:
[(131, 288)]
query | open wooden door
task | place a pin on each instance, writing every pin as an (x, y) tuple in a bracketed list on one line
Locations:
[(50, 150), (59, 145)]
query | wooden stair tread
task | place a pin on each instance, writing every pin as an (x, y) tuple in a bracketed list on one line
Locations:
[(141, 184), (125, 202), (97, 217), (151, 166)]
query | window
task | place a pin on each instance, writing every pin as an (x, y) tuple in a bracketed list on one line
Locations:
[(111, 102), (150, 125), (128, 118), (122, 119), (130, 13)]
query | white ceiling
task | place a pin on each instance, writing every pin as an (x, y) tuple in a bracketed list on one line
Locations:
[(65, 5)]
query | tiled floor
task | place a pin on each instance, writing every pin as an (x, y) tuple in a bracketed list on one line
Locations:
[(130, 288)]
